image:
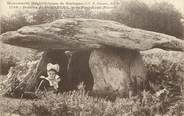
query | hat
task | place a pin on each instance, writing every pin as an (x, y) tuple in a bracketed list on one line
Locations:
[(53, 66)]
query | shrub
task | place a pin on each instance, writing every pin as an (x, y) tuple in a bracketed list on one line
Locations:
[(17, 79), (166, 19), (160, 17), (133, 13)]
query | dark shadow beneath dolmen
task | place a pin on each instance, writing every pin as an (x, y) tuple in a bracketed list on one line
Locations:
[(74, 68)]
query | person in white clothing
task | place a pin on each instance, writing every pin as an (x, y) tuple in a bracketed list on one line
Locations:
[(52, 80)]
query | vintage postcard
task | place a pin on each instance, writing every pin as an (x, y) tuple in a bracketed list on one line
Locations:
[(92, 58)]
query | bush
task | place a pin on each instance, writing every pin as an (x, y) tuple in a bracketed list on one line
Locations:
[(133, 13), (166, 19), (14, 22), (160, 17), (18, 79)]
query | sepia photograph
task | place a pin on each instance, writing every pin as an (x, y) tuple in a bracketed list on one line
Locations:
[(91, 57)]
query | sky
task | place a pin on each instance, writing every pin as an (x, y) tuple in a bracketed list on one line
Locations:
[(5, 10)]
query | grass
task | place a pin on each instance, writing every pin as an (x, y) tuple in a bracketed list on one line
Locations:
[(79, 103)]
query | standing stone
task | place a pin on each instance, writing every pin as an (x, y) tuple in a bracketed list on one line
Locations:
[(117, 71)]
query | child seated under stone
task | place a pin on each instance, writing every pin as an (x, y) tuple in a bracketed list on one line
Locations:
[(50, 83)]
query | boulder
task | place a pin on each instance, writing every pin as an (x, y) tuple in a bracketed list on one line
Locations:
[(165, 69), (78, 33), (117, 71)]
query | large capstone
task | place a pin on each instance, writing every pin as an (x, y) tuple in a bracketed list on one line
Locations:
[(82, 34)]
